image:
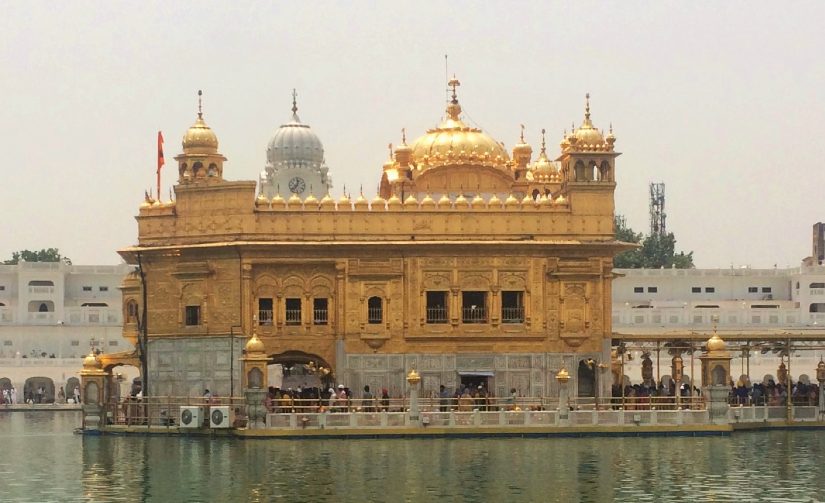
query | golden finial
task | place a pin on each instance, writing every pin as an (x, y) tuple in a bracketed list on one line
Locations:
[(403, 136), (522, 133), (200, 104), (587, 106), (611, 128), (572, 127), (294, 101), (542, 140), (389, 146), (454, 83)]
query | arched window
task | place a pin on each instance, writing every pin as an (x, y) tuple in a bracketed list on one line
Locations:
[(197, 169), (131, 311), (43, 308), (604, 171), (579, 171), (213, 170), (375, 310)]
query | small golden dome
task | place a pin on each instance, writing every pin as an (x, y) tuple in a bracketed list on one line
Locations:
[(586, 136), (561, 200), (511, 201), (562, 376), (494, 202), (361, 203), (522, 149), (478, 201), (716, 344), (278, 201), (528, 200), (411, 201), (344, 202), (378, 203), (91, 361), (294, 201), (394, 203), (254, 345), (444, 202), (461, 202), (311, 201), (200, 139), (328, 203), (427, 202), (261, 200)]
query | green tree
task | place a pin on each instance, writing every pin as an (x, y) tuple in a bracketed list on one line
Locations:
[(656, 251), (44, 255)]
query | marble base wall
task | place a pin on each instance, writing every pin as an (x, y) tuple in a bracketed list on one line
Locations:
[(186, 366), (531, 374)]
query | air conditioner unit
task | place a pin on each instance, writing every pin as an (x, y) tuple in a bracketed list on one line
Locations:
[(190, 417), (221, 416)]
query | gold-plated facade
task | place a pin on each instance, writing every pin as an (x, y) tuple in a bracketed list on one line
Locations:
[(462, 266)]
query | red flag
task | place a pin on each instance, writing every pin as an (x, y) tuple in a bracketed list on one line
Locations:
[(160, 151)]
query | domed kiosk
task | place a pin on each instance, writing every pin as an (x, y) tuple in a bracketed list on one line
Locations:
[(295, 161)]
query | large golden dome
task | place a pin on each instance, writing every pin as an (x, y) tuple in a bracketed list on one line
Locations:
[(452, 142)]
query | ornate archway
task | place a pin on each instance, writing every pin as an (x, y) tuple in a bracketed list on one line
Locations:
[(300, 369)]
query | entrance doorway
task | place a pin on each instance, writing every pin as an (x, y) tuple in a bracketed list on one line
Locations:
[(472, 381)]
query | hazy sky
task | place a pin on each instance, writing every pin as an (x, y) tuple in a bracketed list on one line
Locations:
[(722, 101)]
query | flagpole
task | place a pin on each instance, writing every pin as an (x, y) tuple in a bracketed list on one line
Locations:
[(161, 161)]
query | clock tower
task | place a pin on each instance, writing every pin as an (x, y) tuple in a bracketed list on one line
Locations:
[(295, 161)]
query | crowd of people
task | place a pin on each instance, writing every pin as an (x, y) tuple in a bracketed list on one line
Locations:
[(773, 393), (39, 395)]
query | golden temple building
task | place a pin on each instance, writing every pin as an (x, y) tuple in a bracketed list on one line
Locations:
[(473, 265)]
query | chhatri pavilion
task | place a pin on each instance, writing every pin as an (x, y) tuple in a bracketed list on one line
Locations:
[(473, 265)]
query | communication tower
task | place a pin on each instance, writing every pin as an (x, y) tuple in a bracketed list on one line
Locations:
[(657, 210)]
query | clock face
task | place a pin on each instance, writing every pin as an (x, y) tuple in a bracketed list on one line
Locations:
[(297, 185)]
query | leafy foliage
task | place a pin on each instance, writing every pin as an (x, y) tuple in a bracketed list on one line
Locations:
[(44, 255), (655, 251)]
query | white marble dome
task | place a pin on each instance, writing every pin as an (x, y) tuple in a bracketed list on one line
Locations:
[(294, 144)]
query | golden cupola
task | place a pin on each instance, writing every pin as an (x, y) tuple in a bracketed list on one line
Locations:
[(454, 142), (587, 137), (543, 170), (200, 158), (522, 153)]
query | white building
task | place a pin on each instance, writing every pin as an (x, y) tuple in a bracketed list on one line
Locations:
[(51, 314), (748, 306)]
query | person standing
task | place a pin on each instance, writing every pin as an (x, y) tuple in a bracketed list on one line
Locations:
[(61, 396), (368, 399), (76, 393)]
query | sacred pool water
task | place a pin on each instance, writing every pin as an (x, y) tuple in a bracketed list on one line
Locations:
[(42, 460)]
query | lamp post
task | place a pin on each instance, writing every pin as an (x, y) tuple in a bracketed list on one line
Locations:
[(413, 378), (232, 360), (820, 376), (563, 377)]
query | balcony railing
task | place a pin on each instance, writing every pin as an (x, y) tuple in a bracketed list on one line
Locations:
[(817, 291), (264, 317), (320, 316), (436, 315), (41, 317), (92, 316), (375, 315), (474, 314), (293, 316), (41, 290), (512, 314)]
